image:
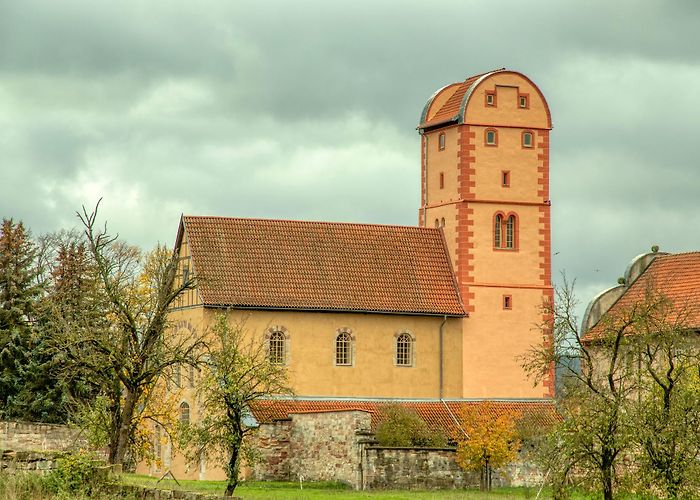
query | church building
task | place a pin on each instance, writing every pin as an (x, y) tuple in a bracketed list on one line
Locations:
[(437, 312)]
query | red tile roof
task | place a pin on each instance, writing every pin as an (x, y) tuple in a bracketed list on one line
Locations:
[(452, 106), (296, 265), (438, 415), (676, 277)]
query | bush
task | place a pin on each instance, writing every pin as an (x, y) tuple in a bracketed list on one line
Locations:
[(401, 426), (78, 473)]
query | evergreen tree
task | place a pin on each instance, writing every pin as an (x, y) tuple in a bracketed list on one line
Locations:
[(48, 387), (19, 292)]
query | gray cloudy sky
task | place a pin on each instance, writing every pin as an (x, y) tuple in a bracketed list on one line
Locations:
[(307, 110)]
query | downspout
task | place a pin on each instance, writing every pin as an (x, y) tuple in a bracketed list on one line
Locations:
[(442, 354), (425, 179)]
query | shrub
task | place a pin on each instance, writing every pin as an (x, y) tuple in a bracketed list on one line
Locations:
[(401, 426), (78, 473)]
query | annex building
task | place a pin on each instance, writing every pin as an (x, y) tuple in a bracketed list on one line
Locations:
[(429, 314)]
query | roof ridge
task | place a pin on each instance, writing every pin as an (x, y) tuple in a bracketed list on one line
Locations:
[(331, 223)]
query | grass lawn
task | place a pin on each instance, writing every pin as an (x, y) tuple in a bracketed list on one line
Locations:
[(283, 491)]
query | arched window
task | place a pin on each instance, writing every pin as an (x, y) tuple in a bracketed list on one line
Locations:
[(191, 377), (437, 222), (178, 376), (343, 349), (510, 232), (505, 231), (184, 413), (404, 349), (442, 222), (276, 348), (497, 231), (491, 137), (527, 139)]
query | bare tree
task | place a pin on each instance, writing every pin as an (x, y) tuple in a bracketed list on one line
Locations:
[(124, 346), (600, 380)]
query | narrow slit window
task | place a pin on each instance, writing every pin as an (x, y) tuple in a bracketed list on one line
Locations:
[(507, 302), (505, 178), (442, 180)]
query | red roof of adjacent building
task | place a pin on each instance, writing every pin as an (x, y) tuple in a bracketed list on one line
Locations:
[(673, 276), (438, 415), (281, 264)]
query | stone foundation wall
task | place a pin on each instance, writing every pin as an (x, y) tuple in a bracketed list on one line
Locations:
[(24, 436)]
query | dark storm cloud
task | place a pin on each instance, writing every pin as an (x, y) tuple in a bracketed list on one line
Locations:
[(307, 110)]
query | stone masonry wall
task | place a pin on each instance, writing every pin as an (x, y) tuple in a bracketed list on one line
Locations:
[(434, 468), (414, 468), (338, 446), (327, 446), (24, 436), (272, 444)]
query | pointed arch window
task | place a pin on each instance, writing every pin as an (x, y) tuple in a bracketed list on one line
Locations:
[(497, 231), (184, 413), (505, 231)]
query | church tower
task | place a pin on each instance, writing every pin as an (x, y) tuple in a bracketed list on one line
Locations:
[(485, 182)]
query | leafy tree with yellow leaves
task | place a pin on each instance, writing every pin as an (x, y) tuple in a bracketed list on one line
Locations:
[(491, 440)]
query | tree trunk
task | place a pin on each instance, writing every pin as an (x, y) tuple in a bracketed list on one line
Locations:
[(607, 483), (123, 436), (232, 471)]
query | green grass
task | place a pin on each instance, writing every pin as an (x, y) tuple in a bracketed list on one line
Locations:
[(337, 491)]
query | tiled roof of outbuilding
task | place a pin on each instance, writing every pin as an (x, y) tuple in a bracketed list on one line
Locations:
[(676, 277), (438, 415), (281, 264)]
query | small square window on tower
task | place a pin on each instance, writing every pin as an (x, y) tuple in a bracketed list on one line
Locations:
[(441, 141), (507, 302), (490, 98), (523, 101), (505, 178)]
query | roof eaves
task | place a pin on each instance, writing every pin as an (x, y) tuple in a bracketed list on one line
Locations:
[(336, 310)]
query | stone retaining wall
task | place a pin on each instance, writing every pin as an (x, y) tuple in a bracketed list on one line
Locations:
[(414, 468), (25, 436)]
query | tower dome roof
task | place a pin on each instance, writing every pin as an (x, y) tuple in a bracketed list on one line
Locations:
[(448, 105)]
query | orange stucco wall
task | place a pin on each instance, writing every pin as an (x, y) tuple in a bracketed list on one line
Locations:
[(494, 339)]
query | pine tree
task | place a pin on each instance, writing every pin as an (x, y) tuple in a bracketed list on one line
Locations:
[(19, 292)]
